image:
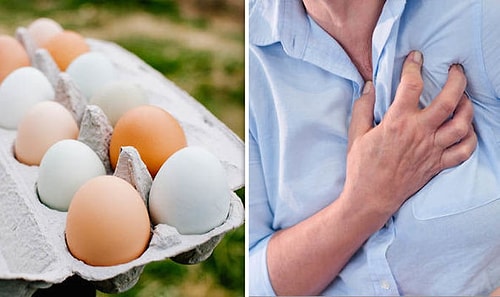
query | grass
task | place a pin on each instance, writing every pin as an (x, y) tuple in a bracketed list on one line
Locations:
[(194, 70), (181, 40), (199, 45)]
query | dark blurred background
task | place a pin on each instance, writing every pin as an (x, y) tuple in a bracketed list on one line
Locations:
[(197, 44)]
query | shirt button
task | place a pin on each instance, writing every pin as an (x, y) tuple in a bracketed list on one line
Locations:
[(385, 285)]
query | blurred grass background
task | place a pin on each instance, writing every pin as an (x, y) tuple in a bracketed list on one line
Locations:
[(197, 44)]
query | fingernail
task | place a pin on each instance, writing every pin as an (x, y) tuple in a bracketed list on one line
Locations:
[(367, 88), (417, 57), (459, 67)]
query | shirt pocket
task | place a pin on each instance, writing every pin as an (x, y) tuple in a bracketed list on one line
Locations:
[(468, 186)]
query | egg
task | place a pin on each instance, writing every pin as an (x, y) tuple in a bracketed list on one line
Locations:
[(42, 126), (107, 222), (152, 131), (91, 71), (22, 89), (42, 29), (12, 56), (118, 97), (66, 46), (64, 168), (190, 192)]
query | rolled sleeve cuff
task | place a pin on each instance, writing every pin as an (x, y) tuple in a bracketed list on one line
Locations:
[(259, 282)]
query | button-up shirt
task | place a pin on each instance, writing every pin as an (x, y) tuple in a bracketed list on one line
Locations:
[(445, 239)]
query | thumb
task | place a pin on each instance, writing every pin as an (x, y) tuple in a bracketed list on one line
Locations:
[(362, 114)]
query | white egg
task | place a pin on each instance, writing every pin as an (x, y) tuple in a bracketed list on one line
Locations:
[(20, 90), (91, 71), (66, 166), (190, 192), (118, 97)]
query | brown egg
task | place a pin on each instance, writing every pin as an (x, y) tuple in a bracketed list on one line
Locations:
[(152, 131), (12, 56), (44, 124), (107, 222), (64, 47)]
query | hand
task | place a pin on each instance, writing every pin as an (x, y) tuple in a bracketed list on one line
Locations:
[(496, 292), (392, 161)]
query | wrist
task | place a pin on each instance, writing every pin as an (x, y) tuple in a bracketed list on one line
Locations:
[(369, 206)]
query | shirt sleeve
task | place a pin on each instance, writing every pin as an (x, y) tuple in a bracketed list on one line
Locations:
[(260, 223), (490, 37), (258, 278)]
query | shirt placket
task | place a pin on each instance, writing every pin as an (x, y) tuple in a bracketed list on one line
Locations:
[(380, 272), (384, 42), (383, 54)]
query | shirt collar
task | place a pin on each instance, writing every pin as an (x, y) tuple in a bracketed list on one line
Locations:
[(286, 22), (283, 21)]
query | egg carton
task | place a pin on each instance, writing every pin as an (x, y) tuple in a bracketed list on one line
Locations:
[(33, 252)]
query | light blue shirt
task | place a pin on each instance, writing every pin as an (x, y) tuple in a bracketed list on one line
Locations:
[(445, 240)]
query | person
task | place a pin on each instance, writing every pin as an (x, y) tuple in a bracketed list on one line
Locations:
[(408, 206)]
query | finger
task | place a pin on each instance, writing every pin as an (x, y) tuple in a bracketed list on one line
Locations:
[(446, 102), (362, 114), (461, 151), (411, 85), (457, 128)]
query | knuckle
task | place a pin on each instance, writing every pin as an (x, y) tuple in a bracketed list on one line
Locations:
[(447, 106), (462, 154), (412, 83), (461, 130), (395, 125)]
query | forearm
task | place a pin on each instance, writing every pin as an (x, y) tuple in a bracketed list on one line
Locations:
[(305, 258)]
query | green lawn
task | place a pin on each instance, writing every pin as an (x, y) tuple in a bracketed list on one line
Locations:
[(199, 45)]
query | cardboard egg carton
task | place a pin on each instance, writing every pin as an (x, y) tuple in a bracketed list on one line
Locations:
[(33, 252)]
